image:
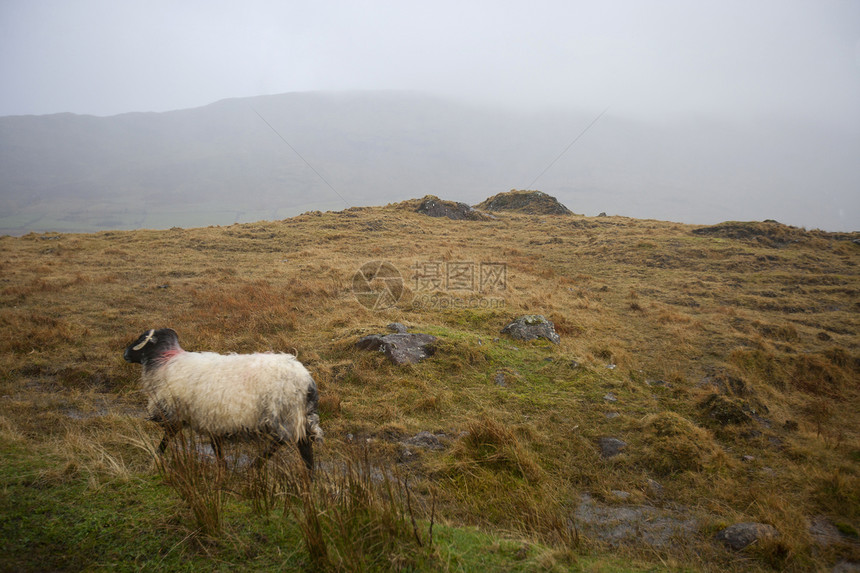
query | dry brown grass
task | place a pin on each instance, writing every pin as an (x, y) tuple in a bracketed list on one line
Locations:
[(634, 302)]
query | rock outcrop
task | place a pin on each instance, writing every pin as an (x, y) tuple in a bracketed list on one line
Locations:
[(529, 202), (433, 206), (621, 525)]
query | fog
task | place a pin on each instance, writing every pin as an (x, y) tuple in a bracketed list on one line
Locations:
[(643, 58), (721, 62)]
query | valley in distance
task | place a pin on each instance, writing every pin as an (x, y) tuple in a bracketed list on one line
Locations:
[(273, 157)]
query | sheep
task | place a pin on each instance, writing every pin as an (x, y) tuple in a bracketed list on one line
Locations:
[(227, 397)]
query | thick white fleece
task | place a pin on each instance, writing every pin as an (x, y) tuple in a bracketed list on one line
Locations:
[(233, 394)]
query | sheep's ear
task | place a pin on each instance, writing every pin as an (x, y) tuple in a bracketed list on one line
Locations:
[(149, 337)]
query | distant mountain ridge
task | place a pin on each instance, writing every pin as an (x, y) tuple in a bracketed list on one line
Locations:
[(272, 157)]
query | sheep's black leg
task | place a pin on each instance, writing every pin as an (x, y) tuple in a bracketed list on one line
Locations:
[(306, 449), (169, 431), (218, 447), (267, 453)]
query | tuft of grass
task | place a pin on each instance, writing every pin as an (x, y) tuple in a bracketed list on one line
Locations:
[(817, 375), (359, 516), (197, 478), (671, 444), (838, 493), (491, 445)]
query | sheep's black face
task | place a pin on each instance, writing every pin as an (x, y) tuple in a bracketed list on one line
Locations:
[(151, 344)]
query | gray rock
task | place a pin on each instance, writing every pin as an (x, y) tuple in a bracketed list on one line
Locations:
[(825, 533), (610, 397), (370, 342), (425, 440), (623, 525), (741, 535), (434, 207), (397, 327), (506, 376), (500, 379), (529, 202), (408, 348), (610, 447), (400, 348), (531, 327), (654, 486)]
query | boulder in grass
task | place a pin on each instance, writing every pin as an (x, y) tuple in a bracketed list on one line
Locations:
[(401, 348), (742, 535), (611, 447), (532, 327), (426, 440), (408, 348)]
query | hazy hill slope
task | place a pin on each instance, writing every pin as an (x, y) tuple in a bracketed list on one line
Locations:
[(225, 157), (222, 163)]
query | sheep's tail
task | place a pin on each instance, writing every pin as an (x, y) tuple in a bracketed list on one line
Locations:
[(313, 431)]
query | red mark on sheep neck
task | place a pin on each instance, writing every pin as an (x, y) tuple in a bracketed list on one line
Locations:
[(167, 355)]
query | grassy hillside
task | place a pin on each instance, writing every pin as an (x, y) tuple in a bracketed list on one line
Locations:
[(725, 358)]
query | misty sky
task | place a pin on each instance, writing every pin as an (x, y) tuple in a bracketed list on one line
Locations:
[(744, 59)]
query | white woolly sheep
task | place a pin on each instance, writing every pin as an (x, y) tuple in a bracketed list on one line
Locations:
[(236, 396)]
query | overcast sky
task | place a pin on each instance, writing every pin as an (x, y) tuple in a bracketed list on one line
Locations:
[(739, 58)]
